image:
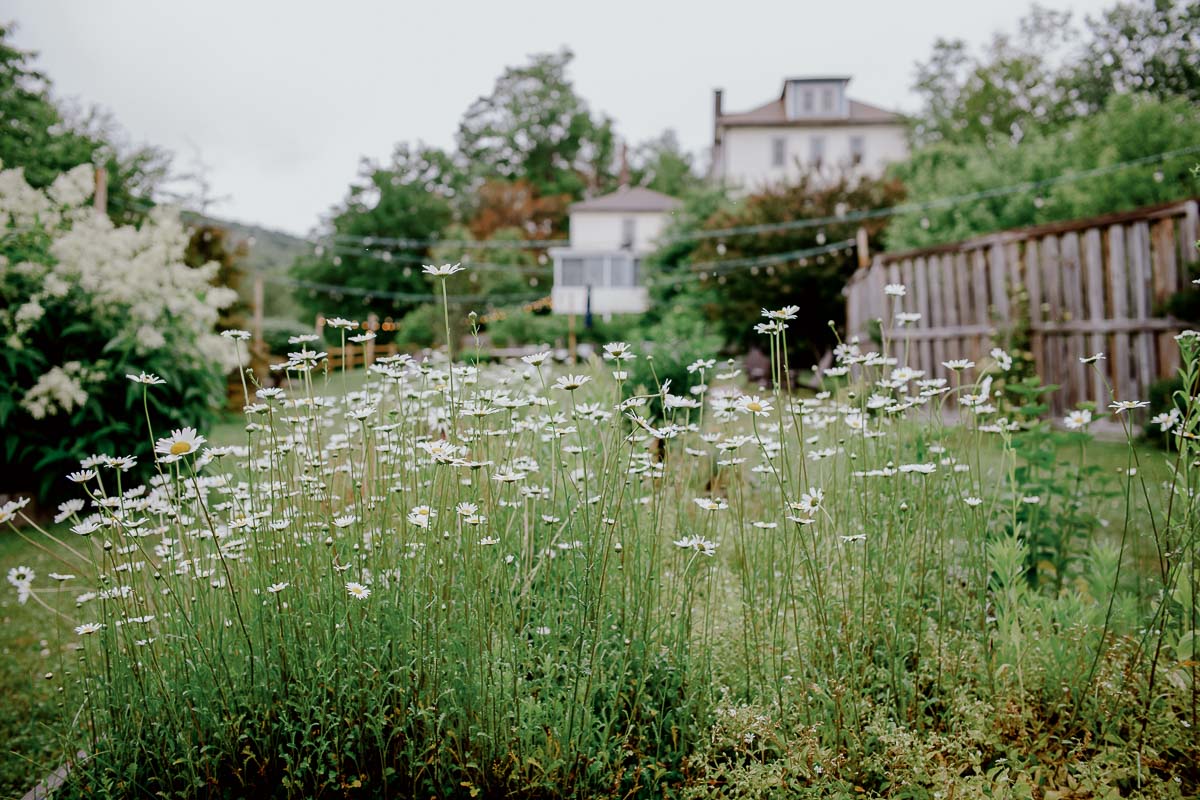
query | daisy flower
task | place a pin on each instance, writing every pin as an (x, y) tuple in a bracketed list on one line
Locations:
[(957, 364), (21, 576), (276, 588), (1078, 419), (571, 382), (1127, 405), (753, 404), (444, 271), (1092, 359), (357, 590), (88, 628), (179, 443), (238, 335), (895, 290), (711, 504), (147, 379), (536, 359)]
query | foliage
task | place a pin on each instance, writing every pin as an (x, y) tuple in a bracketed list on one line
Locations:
[(663, 165), (814, 284), (209, 244), (1052, 73), (410, 197), (83, 304), (502, 204), (1129, 128), (534, 127), (38, 137), (278, 330)]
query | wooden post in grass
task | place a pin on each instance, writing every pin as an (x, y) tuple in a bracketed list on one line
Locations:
[(571, 337), (369, 344), (258, 309), (864, 250), (100, 196)]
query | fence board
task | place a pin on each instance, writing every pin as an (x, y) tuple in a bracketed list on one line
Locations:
[(1118, 299), (1095, 285), (1093, 269), (1166, 283), (1142, 289)]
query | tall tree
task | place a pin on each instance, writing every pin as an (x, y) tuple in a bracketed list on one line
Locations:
[(1054, 71), (39, 137), (1000, 95), (408, 198), (662, 164), (1152, 46), (535, 127)]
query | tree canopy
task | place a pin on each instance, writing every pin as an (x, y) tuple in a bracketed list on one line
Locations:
[(38, 137)]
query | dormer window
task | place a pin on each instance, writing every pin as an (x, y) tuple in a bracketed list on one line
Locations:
[(816, 97)]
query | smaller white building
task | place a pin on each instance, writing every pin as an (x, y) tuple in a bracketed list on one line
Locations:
[(601, 269)]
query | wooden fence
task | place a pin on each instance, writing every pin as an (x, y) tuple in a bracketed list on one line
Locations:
[(1091, 285)]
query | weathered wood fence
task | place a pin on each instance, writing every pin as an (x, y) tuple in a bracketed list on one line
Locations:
[(1091, 285)]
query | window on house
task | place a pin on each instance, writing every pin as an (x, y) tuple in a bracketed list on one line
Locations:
[(778, 151), (816, 150), (594, 271), (572, 272), (827, 100), (808, 101), (858, 150), (628, 227), (624, 272)]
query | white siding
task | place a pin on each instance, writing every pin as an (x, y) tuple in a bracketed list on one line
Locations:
[(603, 230), (746, 153)]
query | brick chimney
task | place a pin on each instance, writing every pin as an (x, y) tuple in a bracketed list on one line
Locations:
[(717, 108)]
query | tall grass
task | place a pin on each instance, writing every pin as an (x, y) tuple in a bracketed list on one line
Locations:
[(484, 581)]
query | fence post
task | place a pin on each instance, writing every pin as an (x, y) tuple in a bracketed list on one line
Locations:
[(864, 250), (258, 309), (369, 345)]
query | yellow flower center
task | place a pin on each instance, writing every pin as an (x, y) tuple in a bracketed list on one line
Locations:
[(179, 448), (754, 406)]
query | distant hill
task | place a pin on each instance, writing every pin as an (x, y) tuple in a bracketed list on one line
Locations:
[(268, 251)]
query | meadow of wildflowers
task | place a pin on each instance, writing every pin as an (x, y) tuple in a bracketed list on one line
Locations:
[(519, 580)]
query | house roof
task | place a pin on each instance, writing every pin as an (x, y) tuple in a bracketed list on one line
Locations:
[(629, 198), (774, 113)]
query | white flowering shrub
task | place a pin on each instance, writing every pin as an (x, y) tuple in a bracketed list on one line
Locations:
[(83, 303)]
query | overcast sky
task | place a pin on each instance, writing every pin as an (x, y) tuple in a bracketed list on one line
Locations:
[(281, 100)]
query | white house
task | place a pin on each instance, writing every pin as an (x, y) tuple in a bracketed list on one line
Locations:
[(609, 237), (812, 124)]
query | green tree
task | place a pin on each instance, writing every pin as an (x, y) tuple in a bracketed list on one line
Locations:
[(534, 126), (1129, 128), (662, 164), (408, 198), (1000, 95), (37, 136), (1053, 71), (1151, 47), (732, 299)]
